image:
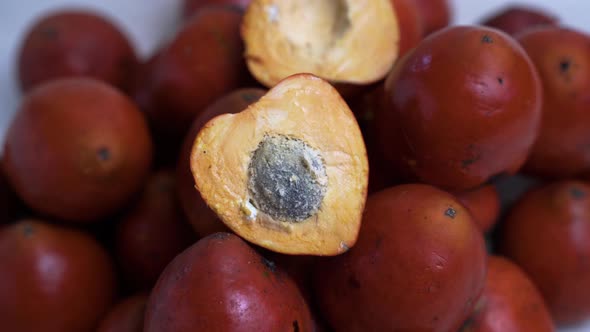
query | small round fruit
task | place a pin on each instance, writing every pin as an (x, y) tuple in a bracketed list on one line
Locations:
[(464, 106), (562, 57), (203, 220), (517, 19), (547, 233), (126, 316), (222, 284), (71, 43), (484, 205), (290, 172), (77, 149), (419, 265), (436, 14), (510, 302), (53, 279)]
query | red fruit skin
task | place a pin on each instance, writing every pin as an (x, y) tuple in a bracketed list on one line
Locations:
[(72, 43), (203, 220), (436, 14), (517, 19), (202, 63), (222, 284), (191, 7), (462, 107), (53, 279), (562, 57), (77, 149), (411, 26), (484, 205), (153, 232), (419, 265), (510, 302), (126, 316), (547, 233)]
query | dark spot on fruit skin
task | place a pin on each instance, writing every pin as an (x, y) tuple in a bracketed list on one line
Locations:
[(451, 213), (49, 32), (103, 154), (270, 265), (28, 230), (295, 326), (250, 98), (565, 65), (500, 80), (354, 282), (577, 193), (486, 39), (220, 235)]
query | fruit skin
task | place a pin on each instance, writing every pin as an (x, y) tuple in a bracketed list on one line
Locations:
[(418, 265), (203, 62), (53, 279), (77, 149), (222, 284), (436, 14), (510, 302), (464, 106), (484, 205), (516, 19), (71, 43), (153, 232), (190, 7), (410, 24), (547, 233), (126, 316), (562, 58), (203, 220)]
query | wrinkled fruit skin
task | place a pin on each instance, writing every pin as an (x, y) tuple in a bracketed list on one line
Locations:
[(153, 232), (191, 7), (562, 57), (222, 284), (126, 316), (52, 279), (484, 205), (419, 265), (516, 19), (510, 302), (547, 233), (203, 220), (464, 106), (77, 149), (75, 44), (436, 14)]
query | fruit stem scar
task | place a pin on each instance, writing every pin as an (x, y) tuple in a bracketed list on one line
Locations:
[(451, 213)]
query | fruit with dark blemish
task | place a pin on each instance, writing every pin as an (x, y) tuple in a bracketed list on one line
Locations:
[(510, 302), (436, 14), (547, 233), (222, 284), (53, 279), (77, 149), (462, 107), (562, 58), (517, 19), (190, 7), (152, 233), (125, 316), (203, 62), (418, 265), (484, 205), (74, 43), (203, 220), (281, 173)]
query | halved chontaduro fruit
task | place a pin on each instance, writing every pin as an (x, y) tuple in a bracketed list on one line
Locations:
[(290, 172), (342, 41)]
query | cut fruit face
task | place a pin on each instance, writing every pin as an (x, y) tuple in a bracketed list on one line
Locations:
[(343, 41), (289, 173)]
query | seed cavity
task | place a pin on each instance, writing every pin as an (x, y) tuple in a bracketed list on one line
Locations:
[(287, 178)]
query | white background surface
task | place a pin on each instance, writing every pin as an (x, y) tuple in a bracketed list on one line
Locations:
[(148, 22)]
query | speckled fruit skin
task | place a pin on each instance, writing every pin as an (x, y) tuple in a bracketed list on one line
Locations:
[(191, 7), (77, 149), (562, 57), (222, 284), (484, 205), (464, 106), (517, 19), (419, 265), (436, 14), (126, 316), (510, 302), (547, 233), (75, 43), (203, 219), (203, 62), (410, 23), (153, 232), (53, 279)]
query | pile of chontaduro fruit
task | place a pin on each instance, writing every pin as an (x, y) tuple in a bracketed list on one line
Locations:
[(299, 165)]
